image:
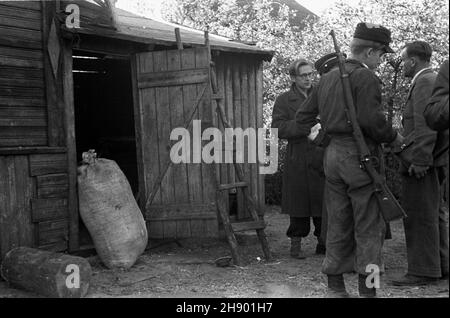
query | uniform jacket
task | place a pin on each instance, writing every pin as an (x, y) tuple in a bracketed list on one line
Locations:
[(414, 122), (303, 178), (436, 112), (328, 101)]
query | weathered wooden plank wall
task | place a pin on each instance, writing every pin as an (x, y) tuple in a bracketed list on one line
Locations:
[(50, 203), (207, 227), (259, 122), (23, 112), (33, 203), (240, 82), (34, 186), (16, 190), (183, 205)]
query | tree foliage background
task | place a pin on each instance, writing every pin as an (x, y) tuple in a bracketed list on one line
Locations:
[(267, 23)]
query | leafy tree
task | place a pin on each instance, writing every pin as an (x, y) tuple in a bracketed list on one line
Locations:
[(408, 21), (267, 23)]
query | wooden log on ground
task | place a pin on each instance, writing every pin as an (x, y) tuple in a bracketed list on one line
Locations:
[(48, 274)]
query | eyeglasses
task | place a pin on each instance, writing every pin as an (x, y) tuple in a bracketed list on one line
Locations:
[(307, 75)]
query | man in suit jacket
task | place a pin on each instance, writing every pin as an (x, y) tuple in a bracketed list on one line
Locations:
[(436, 112), (425, 229)]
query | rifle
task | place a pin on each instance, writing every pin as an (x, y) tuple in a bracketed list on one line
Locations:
[(389, 206), (396, 66)]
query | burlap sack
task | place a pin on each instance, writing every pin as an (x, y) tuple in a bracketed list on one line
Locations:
[(110, 213)]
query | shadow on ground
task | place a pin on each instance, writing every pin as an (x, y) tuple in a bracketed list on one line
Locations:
[(186, 269)]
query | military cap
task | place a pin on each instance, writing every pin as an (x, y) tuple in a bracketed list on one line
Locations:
[(327, 62), (375, 33)]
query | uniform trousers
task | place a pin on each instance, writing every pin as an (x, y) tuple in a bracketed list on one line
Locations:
[(355, 229)]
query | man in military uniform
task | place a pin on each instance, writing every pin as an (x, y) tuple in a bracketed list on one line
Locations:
[(302, 188), (355, 226), (422, 175), (323, 65), (327, 62)]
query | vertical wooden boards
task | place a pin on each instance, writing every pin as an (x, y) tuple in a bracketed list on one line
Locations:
[(148, 128), (229, 109), (237, 121), (163, 127), (189, 95), (176, 105), (222, 169), (243, 70), (259, 123), (16, 191), (167, 97), (252, 116), (138, 129), (179, 171), (240, 80), (206, 116)]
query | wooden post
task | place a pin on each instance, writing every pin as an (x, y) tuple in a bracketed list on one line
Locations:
[(49, 274), (221, 197), (178, 38), (55, 107), (69, 111), (110, 4)]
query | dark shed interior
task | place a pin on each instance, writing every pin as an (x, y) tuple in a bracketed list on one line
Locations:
[(104, 118)]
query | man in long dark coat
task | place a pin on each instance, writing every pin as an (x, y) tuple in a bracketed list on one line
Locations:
[(303, 180), (425, 227)]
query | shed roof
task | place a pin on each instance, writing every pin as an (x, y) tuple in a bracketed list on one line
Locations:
[(132, 24), (141, 29)]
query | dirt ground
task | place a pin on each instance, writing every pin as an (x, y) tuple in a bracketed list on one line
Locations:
[(186, 269)]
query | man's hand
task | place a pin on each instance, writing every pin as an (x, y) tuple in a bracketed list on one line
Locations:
[(398, 142), (314, 132), (419, 171)]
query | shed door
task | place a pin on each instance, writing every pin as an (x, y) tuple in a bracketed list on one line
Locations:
[(168, 86)]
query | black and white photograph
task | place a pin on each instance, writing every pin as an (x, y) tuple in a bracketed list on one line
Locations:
[(224, 156)]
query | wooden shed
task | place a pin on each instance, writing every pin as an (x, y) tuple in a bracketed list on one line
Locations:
[(118, 86)]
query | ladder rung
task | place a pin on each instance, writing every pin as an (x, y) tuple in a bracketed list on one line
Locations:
[(216, 96), (246, 226), (224, 187)]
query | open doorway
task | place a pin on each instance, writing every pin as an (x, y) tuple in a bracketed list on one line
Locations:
[(104, 116)]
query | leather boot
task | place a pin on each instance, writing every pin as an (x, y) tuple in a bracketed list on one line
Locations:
[(320, 247), (364, 291), (296, 248), (336, 287)]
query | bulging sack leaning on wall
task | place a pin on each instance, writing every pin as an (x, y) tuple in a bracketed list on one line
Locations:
[(110, 213)]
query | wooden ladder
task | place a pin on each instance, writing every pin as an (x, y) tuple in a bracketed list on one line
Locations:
[(257, 223)]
